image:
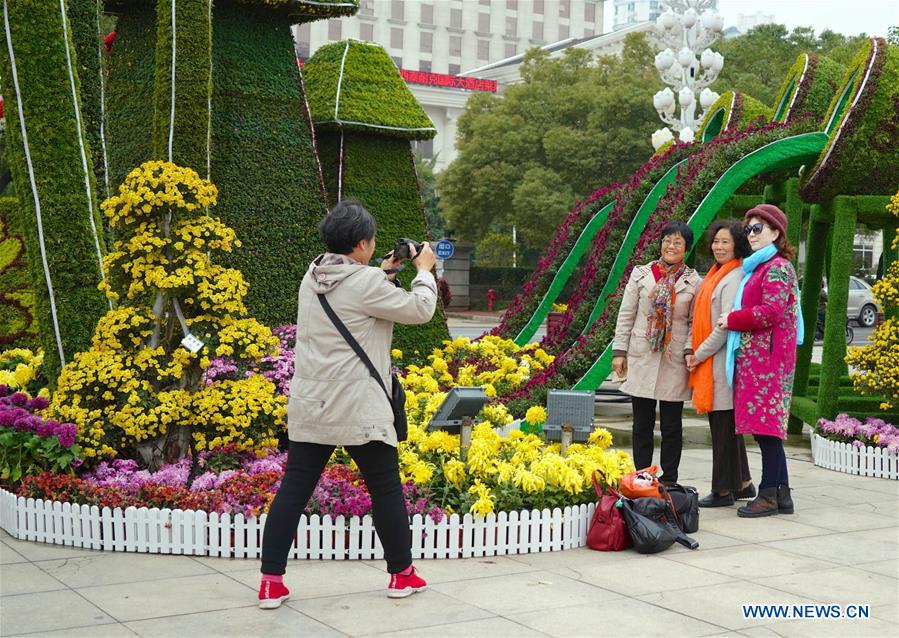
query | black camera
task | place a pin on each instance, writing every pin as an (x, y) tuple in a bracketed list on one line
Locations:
[(401, 250)]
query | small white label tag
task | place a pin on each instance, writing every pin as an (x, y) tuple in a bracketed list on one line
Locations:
[(192, 343)]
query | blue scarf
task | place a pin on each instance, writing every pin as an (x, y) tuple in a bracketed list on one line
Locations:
[(750, 263)]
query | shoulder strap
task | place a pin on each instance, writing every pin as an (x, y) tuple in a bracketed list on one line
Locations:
[(350, 339)]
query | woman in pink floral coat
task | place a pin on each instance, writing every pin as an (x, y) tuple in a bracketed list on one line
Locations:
[(765, 327)]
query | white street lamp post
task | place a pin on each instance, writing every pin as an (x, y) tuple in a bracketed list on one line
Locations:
[(687, 28)]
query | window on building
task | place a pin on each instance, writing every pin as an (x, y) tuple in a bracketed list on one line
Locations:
[(455, 45), (512, 5), (334, 30), (564, 8), (590, 12), (427, 41), (483, 49), (367, 7), (511, 27), (427, 14), (426, 148), (397, 60), (564, 31), (424, 65), (303, 50), (456, 18), (484, 22), (537, 33), (538, 7), (397, 8), (396, 38), (511, 49), (304, 34), (486, 3), (455, 69), (366, 31)]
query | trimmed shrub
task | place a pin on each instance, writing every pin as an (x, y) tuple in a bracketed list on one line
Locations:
[(731, 112), (188, 126), (862, 156), (808, 88), (17, 326), (355, 86), (263, 159), (67, 255)]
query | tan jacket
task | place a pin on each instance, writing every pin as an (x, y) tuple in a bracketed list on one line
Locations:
[(722, 301), (655, 375), (334, 399)]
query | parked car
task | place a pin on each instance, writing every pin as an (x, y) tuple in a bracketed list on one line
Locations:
[(861, 305)]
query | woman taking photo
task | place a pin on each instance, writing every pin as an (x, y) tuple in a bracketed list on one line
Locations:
[(651, 341), (765, 327), (708, 367), (334, 399)]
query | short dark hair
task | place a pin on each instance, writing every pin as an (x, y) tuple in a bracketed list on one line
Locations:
[(345, 226), (735, 227), (678, 228)]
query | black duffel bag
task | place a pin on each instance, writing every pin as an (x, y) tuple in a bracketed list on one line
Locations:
[(685, 500), (651, 525)]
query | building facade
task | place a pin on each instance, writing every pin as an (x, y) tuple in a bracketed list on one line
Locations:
[(440, 38), (630, 12)]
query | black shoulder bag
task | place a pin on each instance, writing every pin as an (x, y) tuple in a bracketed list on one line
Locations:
[(397, 395)]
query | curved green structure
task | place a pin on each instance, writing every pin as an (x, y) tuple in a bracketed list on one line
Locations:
[(572, 259), (808, 88), (732, 111), (785, 153)]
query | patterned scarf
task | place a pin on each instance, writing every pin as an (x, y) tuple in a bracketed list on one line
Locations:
[(661, 301)]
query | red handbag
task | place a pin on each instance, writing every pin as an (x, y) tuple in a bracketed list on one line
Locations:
[(607, 531)]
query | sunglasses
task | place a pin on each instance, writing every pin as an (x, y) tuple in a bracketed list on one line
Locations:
[(754, 229)]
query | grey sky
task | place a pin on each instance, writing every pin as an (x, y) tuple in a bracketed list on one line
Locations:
[(849, 17)]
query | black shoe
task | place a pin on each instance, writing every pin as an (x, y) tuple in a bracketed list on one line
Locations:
[(784, 500), (717, 500), (746, 493), (765, 504)]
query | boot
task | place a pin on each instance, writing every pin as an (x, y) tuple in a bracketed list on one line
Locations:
[(765, 504), (784, 500), (745, 494), (717, 500)]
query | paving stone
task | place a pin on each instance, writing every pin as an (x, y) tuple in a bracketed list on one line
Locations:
[(484, 628), (749, 561), (319, 579), (47, 611), (245, 621), (25, 578), (9, 556), (116, 568), (842, 585)]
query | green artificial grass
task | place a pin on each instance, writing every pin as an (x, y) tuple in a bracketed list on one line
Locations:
[(808, 88), (732, 111), (17, 326)]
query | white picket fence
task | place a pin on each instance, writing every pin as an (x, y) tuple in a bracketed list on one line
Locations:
[(197, 533), (862, 461)]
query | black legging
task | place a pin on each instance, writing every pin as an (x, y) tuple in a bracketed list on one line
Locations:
[(774, 461), (671, 425), (379, 465)]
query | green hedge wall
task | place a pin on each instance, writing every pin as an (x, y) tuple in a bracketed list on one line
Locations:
[(372, 95), (380, 173), (193, 83), (39, 45), (820, 77), (130, 91), (17, 326), (263, 160), (303, 11), (863, 121), (84, 19)]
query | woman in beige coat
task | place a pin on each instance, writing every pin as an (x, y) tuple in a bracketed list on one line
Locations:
[(708, 367), (651, 343), (334, 400)]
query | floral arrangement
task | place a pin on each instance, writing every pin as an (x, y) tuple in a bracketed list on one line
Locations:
[(525, 304), (17, 325), (30, 444), (808, 87), (277, 367), (20, 369), (694, 180), (137, 389), (875, 366), (873, 432)]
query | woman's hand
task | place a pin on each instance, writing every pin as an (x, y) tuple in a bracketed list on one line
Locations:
[(619, 366), (692, 362), (391, 263), (722, 320)]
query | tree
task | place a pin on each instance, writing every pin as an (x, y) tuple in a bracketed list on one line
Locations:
[(427, 180), (575, 123)]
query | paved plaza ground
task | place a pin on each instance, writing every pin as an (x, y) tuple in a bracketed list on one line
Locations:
[(841, 546)]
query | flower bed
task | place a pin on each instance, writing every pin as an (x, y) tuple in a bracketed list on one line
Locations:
[(847, 445)]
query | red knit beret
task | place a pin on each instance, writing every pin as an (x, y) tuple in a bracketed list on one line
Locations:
[(771, 214)]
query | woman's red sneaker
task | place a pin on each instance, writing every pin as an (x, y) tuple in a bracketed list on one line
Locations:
[(272, 594), (402, 586)]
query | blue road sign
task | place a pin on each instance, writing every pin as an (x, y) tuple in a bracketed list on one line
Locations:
[(444, 249)]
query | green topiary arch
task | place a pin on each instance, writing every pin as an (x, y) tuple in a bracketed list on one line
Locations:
[(808, 88), (732, 111)]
